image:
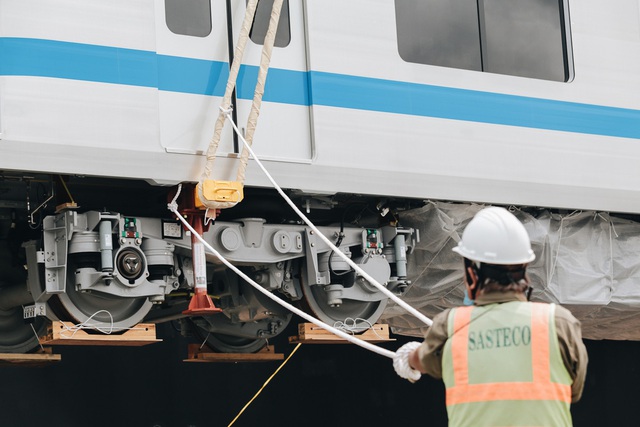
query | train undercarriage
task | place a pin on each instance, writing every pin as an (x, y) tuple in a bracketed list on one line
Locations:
[(108, 254)]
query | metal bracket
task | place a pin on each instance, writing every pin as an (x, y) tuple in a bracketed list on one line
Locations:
[(37, 309), (55, 239), (314, 276)]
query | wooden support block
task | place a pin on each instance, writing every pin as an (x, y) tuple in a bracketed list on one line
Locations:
[(196, 354), (30, 360), (65, 333), (66, 207), (308, 333)]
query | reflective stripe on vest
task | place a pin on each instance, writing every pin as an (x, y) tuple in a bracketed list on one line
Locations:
[(531, 381)]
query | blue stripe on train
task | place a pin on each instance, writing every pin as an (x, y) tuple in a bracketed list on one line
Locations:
[(48, 58), (389, 96)]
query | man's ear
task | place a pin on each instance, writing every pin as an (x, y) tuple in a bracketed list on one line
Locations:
[(472, 277)]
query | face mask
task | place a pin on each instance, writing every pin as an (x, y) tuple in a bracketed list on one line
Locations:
[(466, 300)]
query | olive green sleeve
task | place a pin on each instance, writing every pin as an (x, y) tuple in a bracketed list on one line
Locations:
[(572, 349), (430, 352)]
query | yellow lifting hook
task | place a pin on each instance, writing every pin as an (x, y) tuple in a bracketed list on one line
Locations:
[(219, 194)]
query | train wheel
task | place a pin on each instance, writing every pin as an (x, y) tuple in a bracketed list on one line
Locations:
[(357, 316), (248, 321), (222, 335), (17, 336), (106, 312)]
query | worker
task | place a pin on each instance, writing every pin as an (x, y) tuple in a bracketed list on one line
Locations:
[(504, 361)]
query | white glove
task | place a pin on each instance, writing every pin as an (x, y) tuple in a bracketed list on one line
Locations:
[(401, 362)]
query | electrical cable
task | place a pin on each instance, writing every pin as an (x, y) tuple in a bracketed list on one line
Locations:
[(264, 385)]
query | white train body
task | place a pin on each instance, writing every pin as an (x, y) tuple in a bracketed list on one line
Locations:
[(86, 85), (128, 91)]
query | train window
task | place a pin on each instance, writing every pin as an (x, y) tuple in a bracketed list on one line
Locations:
[(261, 24), (188, 17), (527, 38)]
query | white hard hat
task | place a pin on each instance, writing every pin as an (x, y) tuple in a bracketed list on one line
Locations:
[(495, 236)]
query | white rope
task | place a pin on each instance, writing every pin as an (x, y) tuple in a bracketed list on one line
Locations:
[(424, 319), (401, 362), (37, 337), (612, 232), (173, 207), (351, 325), (555, 259), (86, 325), (204, 342)]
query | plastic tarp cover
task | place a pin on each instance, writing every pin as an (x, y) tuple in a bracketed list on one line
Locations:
[(589, 262)]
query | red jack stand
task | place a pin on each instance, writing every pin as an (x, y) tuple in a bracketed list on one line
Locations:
[(201, 303)]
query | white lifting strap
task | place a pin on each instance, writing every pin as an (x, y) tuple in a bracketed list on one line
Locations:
[(265, 59), (224, 194)]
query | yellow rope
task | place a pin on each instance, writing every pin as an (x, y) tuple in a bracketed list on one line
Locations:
[(231, 83), (252, 120), (66, 189), (264, 385)]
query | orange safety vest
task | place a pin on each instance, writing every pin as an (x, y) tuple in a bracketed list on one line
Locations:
[(502, 367)]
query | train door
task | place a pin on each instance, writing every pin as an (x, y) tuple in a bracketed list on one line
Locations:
[(193, 61)]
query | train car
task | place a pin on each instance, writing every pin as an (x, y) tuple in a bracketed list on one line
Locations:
[(370, 109)]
